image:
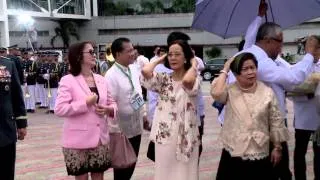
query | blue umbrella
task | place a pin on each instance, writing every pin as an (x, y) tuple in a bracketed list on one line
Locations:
[(229, 18)]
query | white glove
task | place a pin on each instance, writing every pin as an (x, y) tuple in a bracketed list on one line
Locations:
[(46, 76)]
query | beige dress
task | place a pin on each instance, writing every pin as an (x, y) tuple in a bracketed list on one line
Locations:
[(252, 120), (174, 129)]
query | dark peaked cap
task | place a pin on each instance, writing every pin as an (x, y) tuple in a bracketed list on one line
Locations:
[(13, 47)]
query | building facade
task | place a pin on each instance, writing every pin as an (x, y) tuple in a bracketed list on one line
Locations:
[(144, 30)]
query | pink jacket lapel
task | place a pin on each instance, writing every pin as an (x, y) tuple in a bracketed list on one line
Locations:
[(83, 85), (99, 84)]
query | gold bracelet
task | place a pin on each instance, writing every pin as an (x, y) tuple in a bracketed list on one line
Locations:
[(224, 72)]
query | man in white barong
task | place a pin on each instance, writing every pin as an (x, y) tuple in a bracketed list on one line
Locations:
[(266, 47)]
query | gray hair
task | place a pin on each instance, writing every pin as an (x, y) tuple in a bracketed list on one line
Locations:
[(268, 30)]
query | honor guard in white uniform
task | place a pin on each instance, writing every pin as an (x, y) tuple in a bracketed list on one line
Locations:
[(41, 71), (29, 86), (64, 66), (52, 79)]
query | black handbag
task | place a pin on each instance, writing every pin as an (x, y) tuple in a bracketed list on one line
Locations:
[(151, 151)]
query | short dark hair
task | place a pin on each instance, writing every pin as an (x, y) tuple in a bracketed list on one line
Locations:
[(162, 49), (108, 50), (140, 50), (177, 36), (117, 45), (187, 51), (268, 29), (75, 57), (241, 45), (318, 38), (239, 60)]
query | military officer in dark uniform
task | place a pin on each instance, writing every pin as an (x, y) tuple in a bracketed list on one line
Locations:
[(3, 52), (64, 66), (29, 89), (25, 90), (42, 70), (13, 121), (35, 57), (14, 56)]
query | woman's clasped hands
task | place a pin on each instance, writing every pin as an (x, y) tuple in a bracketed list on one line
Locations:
[(100, 109)]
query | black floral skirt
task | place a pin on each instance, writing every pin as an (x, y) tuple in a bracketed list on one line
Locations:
[(234, 168), (82, 161)]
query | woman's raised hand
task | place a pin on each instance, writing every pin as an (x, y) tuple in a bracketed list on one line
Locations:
[(161, 59), (227, 64)]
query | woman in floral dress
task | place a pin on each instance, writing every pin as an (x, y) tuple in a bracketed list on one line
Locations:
[(174, 130)]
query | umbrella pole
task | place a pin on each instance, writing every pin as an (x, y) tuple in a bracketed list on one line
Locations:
[(266, 15), (271, 11)]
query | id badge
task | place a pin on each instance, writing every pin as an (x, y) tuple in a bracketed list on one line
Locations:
[(136, 101)]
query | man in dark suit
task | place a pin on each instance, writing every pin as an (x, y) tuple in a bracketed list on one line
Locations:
[(13, 120)]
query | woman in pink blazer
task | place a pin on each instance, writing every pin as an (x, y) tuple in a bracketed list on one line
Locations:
[(86, 104)]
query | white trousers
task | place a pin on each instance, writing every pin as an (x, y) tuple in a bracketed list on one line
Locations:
[(43, 94), (37, 95), (30, 103), (23, 88), (52, 100)]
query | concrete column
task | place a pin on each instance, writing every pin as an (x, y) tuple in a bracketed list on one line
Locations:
[(49, 6), (95, 7), (87, 8), (4, 28)]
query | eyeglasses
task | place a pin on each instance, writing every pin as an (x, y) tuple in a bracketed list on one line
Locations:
[(278, 40), (174, 54), (90, 52)]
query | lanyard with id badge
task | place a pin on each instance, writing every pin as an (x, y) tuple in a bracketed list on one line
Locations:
[(136, 101)]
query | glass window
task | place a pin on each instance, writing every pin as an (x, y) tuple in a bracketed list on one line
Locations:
[(140, 7), (27, 5)]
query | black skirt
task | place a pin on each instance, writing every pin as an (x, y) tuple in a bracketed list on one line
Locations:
[(235, 168)]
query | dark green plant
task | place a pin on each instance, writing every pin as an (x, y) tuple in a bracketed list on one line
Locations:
[(213, 52), (289, 58), (159, 7), (65, 30), (148, 7), (184, 6), (121, 8), (107, 8)]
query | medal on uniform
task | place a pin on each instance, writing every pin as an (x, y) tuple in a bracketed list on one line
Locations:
[(2, 71), (7, 87)]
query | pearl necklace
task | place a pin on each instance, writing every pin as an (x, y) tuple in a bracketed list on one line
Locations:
[(248, 89)]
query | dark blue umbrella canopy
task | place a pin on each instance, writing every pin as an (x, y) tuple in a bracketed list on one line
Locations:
[(229, 18)]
